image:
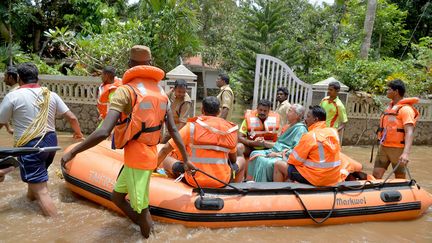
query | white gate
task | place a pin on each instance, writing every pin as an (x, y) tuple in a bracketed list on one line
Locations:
[(271, 73)]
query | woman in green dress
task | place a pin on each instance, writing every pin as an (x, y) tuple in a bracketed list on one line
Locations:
[(261, 162)]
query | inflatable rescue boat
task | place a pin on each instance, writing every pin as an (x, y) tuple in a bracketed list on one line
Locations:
[(93, 173)]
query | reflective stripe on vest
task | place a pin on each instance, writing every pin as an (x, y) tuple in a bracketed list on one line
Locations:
[(320, 165), (141, 88), (214, 130), (194, 158), (149, 106), (145, 106)]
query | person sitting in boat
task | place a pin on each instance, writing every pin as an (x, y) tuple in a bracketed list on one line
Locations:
[(136, 113), (259, 127), (261, 162), (315, 160), (211, 145)]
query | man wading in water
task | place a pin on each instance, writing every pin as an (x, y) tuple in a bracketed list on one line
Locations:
[(33, 110), (141, 100)]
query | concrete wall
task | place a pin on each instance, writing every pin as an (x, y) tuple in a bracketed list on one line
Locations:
[(361, 131), (87, 115)]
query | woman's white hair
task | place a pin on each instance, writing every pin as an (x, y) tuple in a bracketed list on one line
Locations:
[(299, 110)]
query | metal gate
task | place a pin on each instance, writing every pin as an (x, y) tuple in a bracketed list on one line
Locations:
[(271, 73)]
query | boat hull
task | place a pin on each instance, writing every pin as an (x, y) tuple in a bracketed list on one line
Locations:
[(92, 174)]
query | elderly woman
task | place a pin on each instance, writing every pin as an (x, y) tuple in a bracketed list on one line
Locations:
[(261, 162)]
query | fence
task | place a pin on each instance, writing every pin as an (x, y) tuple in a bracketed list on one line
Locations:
[(359, 108), (271, 73)]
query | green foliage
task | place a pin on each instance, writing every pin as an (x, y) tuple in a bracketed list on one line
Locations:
[(372, 76), (218, 21), (315, 41), (419, 17), (171, 32), (87, 15), (262, 33), (20, 57)]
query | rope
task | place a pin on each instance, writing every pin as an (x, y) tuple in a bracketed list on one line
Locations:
[(201, 194), (242, 191), (38, 125), (393, 171), (412, 35), (310, 215), (361, 187)]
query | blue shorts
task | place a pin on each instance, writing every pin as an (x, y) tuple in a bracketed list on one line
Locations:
[(33, 167), (294, 175)]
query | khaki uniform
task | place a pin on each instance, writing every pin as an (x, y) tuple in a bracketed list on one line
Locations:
[(282, 109), (226, 99), (181, 109), (121, 101)]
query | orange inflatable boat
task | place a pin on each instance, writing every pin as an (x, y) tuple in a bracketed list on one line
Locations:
[(93, 174)]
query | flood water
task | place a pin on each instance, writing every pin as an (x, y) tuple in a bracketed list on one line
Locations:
[(80, 220)]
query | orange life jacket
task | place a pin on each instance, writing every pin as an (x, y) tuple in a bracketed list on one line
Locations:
[(267, 129), (212, 138), (104, 92), (322, 165), (391, 132), (348, 166), (149, 106)]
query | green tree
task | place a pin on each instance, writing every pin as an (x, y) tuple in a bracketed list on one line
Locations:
[(218, 23), (170, 30), (368, 28), (262, 32), (419, 17)]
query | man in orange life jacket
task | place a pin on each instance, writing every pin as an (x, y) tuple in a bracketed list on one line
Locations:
[(315, 160), (259, 126), (396, 131), (106, 90), (211, 145), (136, 113)]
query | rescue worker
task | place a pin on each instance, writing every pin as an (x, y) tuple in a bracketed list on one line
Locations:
[(181, 105), (225, 97), (33, 110), (142, 102), (315, 160), (396, 131), (259, 126), (334, 108), (283, 106), (211, 145), (106, 90)]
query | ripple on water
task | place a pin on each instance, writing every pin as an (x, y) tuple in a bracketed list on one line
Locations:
[(83, 221)]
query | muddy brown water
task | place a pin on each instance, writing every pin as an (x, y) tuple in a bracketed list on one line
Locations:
[(80, 220)]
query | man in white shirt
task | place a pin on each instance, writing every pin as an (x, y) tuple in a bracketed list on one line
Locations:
[(33, 110)]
